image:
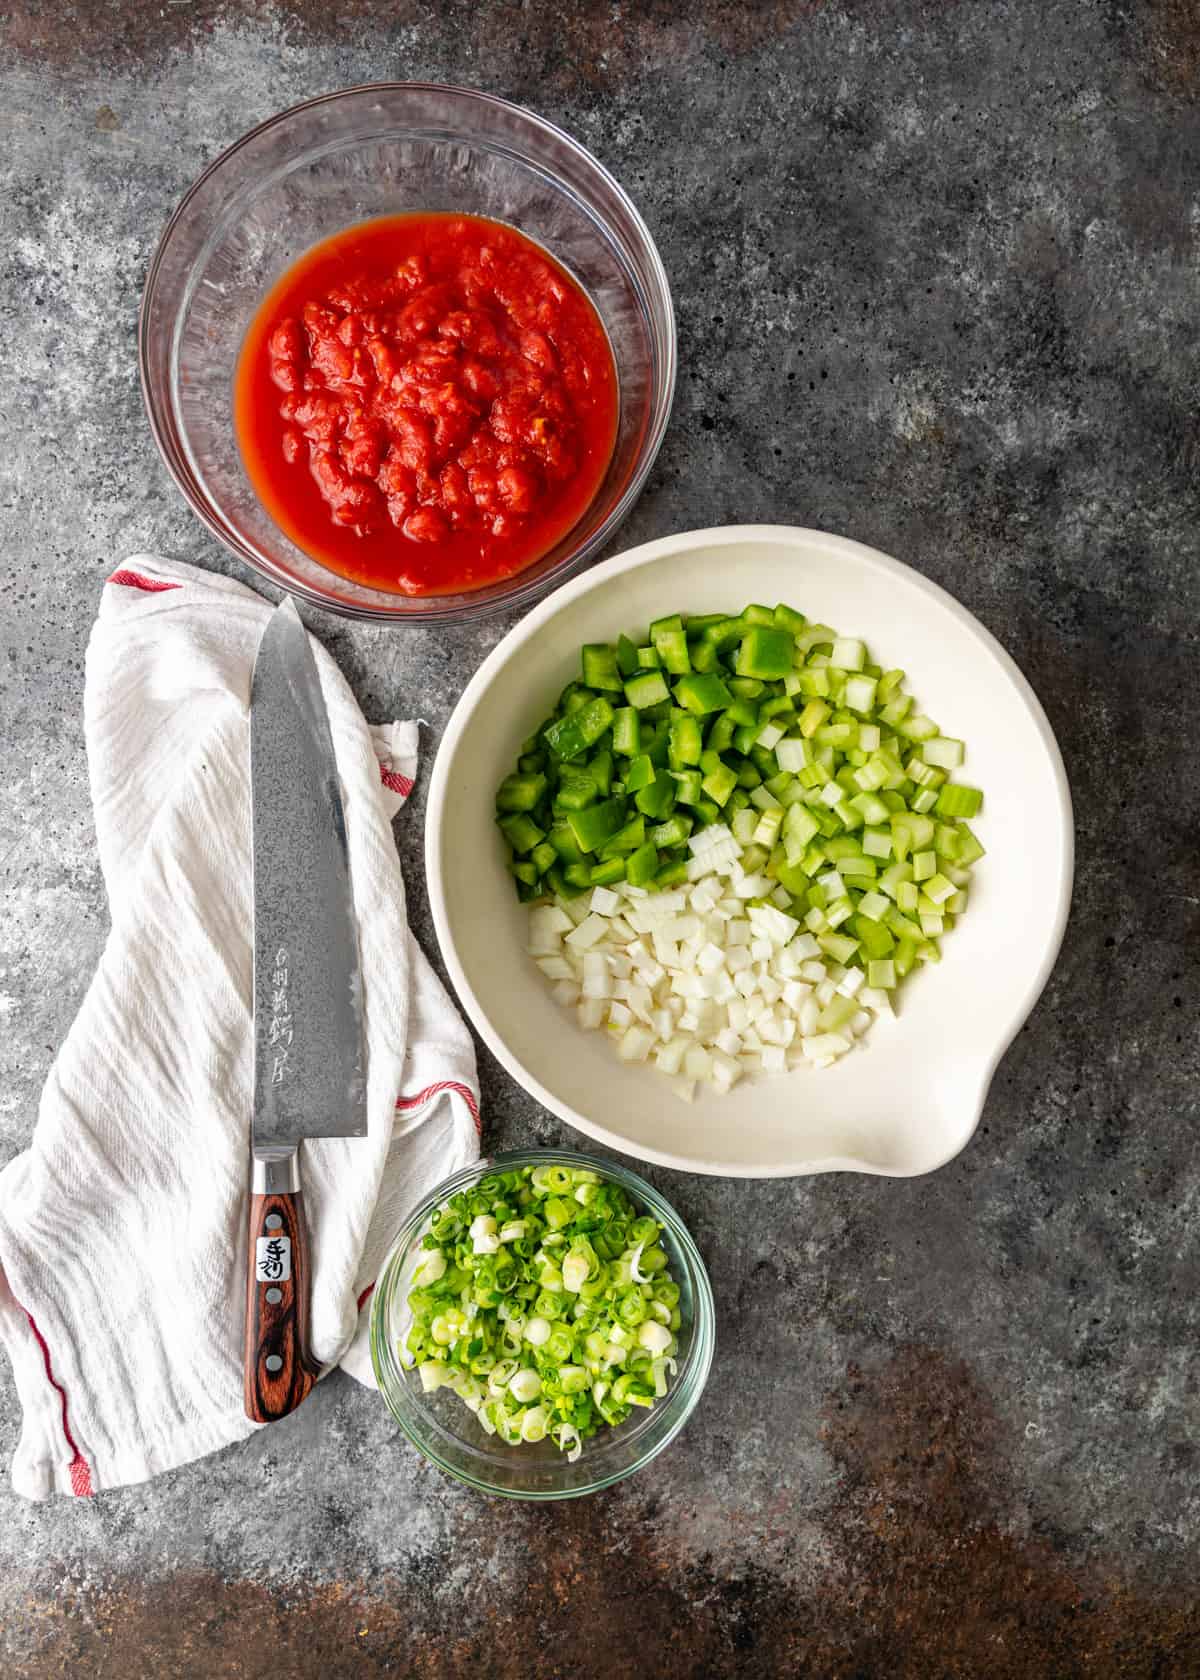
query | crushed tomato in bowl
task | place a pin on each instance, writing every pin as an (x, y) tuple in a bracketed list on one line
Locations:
[(426, 403)]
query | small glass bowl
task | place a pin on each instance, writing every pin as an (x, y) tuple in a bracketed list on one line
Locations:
[(344, 158), (447, 1431)]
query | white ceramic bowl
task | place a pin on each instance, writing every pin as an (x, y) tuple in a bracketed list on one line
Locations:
[(910, 1099)]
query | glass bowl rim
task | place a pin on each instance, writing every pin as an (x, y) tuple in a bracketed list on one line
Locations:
[(683, 1396), (524, 590)]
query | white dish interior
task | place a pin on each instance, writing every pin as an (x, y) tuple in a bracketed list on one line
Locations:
[(910, 1097)]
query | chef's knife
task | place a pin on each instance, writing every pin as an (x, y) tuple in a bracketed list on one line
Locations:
[(309, 1078)]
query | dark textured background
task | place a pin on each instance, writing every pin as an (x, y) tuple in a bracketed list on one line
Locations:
[(935, 272)]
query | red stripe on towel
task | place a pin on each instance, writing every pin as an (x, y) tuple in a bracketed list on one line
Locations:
[(422, 1097), (393, 780), (138, 580), (81, 1474), (418, 1101)]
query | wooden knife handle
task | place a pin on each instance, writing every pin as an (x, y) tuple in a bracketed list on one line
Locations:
[(277, 1366)]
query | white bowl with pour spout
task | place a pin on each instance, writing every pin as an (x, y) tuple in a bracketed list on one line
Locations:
[(908, 1099)]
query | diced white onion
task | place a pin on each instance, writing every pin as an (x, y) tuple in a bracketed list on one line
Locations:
[(708, 983)]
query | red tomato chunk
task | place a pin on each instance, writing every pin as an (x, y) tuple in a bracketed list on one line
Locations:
[(426, 403)]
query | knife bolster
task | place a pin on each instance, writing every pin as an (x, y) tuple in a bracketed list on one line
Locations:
[(274, 1172)]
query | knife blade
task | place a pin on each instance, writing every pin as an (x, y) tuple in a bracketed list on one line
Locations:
[(309, 1063)]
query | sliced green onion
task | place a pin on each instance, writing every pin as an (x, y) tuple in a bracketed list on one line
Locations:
[(502, 1328)]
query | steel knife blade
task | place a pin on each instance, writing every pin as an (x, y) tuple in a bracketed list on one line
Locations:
[(308, 1034)]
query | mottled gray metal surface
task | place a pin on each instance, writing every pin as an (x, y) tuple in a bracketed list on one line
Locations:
[(309, 1077), (935, 269)]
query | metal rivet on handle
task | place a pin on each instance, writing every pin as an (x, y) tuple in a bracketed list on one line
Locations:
[(273, 1362), (274, 1296), (274, 1221)]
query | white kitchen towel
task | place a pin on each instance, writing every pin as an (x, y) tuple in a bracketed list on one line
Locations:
[(122, 1236)]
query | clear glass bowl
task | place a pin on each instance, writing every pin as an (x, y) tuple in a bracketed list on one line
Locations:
[(345, 157), (447, 1431)]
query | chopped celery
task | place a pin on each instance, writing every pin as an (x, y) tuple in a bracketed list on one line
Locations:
[(954, 800)]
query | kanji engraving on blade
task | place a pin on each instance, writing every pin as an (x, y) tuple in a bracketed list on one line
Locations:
[(280, 1030)]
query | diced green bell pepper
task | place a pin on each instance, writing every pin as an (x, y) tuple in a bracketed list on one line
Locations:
[(576, 788), (702, 692), (642, 865), (599, 662), (672, 649), (788, 619), (725, 633), (703, 656), (648, 689), (658, 798), (627, 660), (687, 786), (686, 742), (766, 652), (673, 832), (563, 841), (626, 839), (720, 733), (743, 714), (521, 832), (627, 733), (520, 793), (573, 735), (720, 783), (596, 824)]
